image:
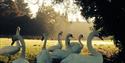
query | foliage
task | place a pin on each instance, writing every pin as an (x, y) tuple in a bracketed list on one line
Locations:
[(11, 17), (109, 17), (22, 7), (8, 8), (17, 14), (50, 20)]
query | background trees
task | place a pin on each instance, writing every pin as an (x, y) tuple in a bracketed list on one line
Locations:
[(16, 13)]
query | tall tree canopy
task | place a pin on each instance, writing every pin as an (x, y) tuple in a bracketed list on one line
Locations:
[(15, 13), (11, 16), (109, 17), (50, 20), (22, 7)]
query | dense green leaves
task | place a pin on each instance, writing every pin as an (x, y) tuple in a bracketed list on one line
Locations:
[(109, 16)]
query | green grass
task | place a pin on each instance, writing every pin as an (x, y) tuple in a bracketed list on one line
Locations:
[(33, 47)]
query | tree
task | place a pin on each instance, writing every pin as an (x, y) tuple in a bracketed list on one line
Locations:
[(11, 18), (109, 17), (50, 20), (8, 8), (22, 7), (8, 12)]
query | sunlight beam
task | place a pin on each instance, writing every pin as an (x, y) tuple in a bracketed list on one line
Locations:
[(66, 8)]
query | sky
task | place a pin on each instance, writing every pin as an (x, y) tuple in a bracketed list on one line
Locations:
[(67, 8)]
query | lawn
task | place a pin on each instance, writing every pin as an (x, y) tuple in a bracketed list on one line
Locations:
[(33, 47)]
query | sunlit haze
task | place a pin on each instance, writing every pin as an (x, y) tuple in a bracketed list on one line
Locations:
[(66, 8)]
